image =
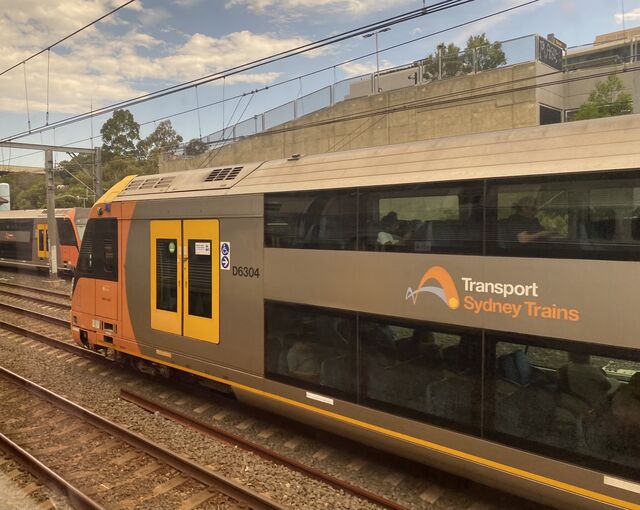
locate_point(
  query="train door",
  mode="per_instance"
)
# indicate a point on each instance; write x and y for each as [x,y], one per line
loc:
[43,241]
[200,270]
[185,278]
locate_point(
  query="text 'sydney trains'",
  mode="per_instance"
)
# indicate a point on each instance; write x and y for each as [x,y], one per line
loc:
[470,302]
[24,238]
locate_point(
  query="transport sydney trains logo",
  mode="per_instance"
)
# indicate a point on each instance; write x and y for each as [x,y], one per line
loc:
[436,280]
[512,299]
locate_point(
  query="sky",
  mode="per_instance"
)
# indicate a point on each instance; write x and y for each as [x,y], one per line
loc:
[153,44]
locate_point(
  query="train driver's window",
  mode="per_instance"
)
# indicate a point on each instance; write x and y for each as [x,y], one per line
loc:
[311,347]
[573,402]
[411,369]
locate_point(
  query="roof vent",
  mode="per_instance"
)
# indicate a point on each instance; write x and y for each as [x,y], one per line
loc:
[155,183]
[223,174]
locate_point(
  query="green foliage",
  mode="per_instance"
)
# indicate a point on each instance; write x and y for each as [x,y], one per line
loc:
[164,138]
[27,190]
[479,54]
[608,99]
[123,154]
[120,135]
[195,147]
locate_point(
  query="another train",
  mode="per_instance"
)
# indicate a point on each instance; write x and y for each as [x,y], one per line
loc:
[24,238]
[469,302]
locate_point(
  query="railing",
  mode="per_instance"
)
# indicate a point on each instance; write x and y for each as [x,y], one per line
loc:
[440,67]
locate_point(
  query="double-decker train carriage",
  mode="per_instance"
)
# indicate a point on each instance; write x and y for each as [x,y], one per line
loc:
[24,237]
[470,302]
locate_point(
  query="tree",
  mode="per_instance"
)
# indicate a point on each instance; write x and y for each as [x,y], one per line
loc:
[164,138]
[480,54]
[120,135]
[608,99]
[195,146]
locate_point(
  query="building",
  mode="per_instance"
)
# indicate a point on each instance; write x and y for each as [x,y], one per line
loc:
[547,85]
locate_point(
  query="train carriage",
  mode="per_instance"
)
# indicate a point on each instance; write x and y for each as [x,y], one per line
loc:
[24,241]
[469,302]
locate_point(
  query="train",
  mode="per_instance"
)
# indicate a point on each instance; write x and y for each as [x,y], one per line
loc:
[468,302]
[24,238]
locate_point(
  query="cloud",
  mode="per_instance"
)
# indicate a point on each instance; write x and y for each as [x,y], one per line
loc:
[353,69]
[297,8]
[98,69]
[633,15]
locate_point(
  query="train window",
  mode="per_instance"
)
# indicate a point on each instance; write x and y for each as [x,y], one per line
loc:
[108,255]
[16,239]
[98,256]
[572,401]
[167,274]
[66,234]
[311,347]
[318,220]
[412,369]
[592,216]
[200,279]
[422,218]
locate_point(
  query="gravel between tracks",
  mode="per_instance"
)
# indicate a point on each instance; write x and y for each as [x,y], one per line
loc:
[97,387]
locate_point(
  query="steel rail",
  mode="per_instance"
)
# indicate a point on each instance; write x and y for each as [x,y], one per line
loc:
[36,299]
[76,498]
[58,344]
[197,472]
[35,315]
[258,449]
[41,291]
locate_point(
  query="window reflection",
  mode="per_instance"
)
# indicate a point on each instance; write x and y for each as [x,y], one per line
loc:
[572,401]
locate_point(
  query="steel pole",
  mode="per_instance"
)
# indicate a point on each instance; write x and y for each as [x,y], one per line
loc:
[377,63]
[52,230]
[97,174]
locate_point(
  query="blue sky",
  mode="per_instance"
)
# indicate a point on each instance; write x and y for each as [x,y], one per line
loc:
[154,44]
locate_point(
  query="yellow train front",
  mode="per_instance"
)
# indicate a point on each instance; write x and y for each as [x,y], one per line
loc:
[387,295]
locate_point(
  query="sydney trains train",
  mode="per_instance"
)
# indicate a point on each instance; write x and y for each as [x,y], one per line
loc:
[469,302]
[24,238]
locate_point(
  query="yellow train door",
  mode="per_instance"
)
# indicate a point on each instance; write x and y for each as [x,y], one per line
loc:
[166,276]
[43,240]
[184,290]
[201,279]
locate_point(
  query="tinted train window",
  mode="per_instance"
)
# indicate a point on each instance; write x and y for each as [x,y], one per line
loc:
[16,239]
[412,369]
[577,403]
[312,347]
[66,234]
[422,218]
[200,283]
[167,274]
[587,216]
[319,220]
[99,250]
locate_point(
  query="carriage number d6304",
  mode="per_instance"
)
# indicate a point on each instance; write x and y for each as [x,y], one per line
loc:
[245,271]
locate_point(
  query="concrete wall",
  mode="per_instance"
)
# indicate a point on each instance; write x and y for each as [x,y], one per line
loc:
[440,112]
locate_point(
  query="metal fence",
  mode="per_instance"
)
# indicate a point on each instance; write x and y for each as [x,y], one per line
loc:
[439,66]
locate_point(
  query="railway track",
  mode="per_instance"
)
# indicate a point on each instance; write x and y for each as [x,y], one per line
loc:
[98,463]
[44,296]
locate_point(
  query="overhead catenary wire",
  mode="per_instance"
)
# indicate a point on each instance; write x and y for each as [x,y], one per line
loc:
[435,102]
[69,36]
[407,16]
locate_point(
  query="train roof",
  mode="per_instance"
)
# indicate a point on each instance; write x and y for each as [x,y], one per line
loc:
[582,146]
[33,213]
